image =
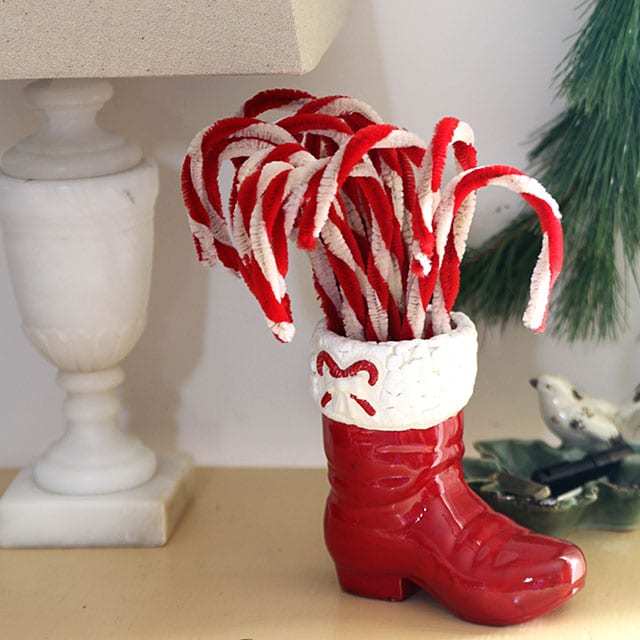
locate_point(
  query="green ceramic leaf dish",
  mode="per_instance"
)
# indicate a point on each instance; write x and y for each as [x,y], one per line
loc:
[602,504]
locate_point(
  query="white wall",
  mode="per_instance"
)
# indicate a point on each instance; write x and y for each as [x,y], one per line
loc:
[207,377]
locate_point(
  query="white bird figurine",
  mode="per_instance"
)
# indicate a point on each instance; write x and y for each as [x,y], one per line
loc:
[581,421]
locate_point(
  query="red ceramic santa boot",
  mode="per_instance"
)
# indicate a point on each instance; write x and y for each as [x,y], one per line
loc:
[400,515]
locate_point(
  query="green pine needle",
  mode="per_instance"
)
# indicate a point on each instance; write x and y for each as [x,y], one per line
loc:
[589,159]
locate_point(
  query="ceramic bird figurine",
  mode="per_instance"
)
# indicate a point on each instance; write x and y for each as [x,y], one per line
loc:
[582,421]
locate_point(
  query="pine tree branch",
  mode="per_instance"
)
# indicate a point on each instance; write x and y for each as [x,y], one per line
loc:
[491,283]
[589,159]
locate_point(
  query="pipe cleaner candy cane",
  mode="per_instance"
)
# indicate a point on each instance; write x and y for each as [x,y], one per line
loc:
[344,246]
[449,132]
[363,199]
[227,139]
[342,250]
[286,99]
[385,224]
[452,230]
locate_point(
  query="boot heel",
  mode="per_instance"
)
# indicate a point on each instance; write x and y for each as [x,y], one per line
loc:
[382,587]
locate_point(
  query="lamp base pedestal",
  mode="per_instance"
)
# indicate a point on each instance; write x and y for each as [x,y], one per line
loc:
[141,517]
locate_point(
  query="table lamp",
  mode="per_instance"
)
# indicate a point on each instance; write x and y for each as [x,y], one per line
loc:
[76,211]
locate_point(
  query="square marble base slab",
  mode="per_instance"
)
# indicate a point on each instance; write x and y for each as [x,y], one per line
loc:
[140,517]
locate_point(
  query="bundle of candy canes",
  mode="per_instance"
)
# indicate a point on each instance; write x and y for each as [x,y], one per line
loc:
[364,200]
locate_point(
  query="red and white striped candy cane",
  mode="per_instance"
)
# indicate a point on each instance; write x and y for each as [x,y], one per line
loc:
[270,99]
[344,161]
[452,230]
[260,221]
[305,125]
[228,139]
[258,224]
[363,198]
[339,251]
[449,132]
[314,120]
[386,227]
[357,114]
[343,107]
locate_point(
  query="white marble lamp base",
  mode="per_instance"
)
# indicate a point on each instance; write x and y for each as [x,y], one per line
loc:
[76,211]
[141,517]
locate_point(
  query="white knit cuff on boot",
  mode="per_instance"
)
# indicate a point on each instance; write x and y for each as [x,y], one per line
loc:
[394,386]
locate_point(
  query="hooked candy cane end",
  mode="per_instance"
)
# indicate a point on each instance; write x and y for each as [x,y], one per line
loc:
[282,331]
[535,316]
[204,240]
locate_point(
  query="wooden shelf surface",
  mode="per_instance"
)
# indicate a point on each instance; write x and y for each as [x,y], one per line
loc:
[248,562]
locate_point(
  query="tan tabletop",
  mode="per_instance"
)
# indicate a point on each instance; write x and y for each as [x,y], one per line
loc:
[248,562]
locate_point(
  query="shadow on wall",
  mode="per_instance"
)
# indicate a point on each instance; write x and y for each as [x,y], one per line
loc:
[172,342]
[153,114]
[163,115]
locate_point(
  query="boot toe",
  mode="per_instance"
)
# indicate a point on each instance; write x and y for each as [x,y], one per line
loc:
[536,575]
[541,562]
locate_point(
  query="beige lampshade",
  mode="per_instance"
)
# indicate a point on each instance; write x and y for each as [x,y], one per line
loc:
[118,38]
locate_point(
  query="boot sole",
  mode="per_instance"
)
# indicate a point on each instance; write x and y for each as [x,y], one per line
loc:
[396,588]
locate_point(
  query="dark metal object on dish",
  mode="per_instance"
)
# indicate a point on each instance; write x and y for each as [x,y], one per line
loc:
[606,502]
